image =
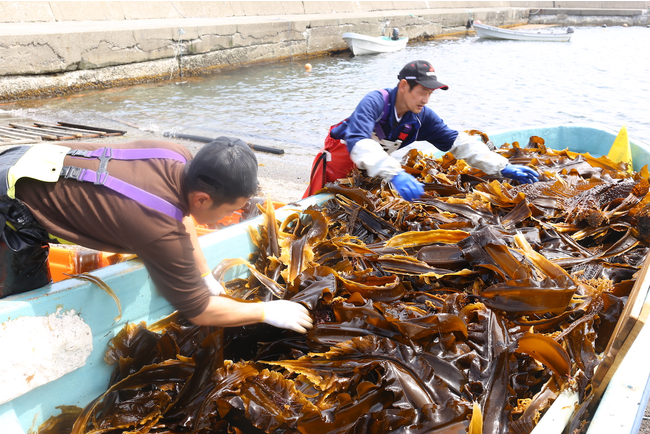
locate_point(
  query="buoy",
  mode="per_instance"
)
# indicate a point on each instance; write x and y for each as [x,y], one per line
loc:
[624,24]
[307,67]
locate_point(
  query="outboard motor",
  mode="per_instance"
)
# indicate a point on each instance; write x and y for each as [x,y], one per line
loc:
[570,30]
[395,35]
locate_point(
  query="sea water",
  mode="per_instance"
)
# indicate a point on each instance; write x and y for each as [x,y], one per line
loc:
[600,78]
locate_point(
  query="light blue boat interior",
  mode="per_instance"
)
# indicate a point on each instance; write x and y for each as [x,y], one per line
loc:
[576,138]
[141,302]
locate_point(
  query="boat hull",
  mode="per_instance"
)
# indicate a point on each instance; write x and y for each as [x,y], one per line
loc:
[362,44]
[489,32]
[141,302]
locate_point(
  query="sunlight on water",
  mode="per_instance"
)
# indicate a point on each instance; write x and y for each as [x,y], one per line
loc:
[601,78]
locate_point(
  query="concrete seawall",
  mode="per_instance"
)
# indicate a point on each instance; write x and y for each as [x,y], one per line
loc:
[55,48]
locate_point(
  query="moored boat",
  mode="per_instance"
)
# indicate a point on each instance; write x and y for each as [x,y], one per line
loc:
[362,44]
[141,302]
[490,32]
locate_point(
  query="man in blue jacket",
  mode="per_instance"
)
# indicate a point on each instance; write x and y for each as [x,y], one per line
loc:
[389,119]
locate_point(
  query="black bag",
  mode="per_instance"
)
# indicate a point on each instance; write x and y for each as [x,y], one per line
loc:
[23,251]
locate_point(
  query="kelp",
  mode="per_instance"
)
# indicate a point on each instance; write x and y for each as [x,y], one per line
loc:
[469,310]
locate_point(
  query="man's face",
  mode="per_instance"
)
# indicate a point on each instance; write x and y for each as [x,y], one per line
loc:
[204,212]
[416,98]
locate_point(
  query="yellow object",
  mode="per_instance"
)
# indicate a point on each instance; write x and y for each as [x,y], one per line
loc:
[61,240]
[620,150]
[42,162]
[476,423]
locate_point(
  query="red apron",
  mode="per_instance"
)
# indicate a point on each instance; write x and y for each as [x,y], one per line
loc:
[331,163]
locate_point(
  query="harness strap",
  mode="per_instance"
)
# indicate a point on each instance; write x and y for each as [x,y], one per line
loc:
[124,188]
[405,132]
[101,176]
[128,154]
[379,131]
[322,159]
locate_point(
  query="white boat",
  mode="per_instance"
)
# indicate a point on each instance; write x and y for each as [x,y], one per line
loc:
[362,44]
[489,32]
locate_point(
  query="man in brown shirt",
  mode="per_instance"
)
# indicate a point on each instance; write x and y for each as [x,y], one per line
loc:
[144,207]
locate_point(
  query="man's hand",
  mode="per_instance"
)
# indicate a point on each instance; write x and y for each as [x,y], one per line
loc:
[214,287]
[407,186]
[287,314]
[523,174]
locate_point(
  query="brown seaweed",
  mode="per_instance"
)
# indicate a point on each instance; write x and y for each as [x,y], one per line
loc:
[469,310]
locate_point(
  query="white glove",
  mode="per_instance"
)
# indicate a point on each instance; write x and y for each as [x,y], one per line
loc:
[477,154]
[371,157]
[287,314]
[214,287]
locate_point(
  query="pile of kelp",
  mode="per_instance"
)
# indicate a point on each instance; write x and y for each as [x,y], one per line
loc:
[469,310]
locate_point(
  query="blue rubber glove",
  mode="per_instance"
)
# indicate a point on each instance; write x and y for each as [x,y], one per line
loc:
[523,174]
[407,186]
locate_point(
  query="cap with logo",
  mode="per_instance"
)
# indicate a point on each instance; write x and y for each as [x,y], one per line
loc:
[423,73]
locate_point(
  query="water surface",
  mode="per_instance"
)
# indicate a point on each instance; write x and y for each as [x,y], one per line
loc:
[601,78]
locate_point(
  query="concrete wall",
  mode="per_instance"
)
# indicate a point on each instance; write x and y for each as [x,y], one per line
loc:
[54,48]
[61,11]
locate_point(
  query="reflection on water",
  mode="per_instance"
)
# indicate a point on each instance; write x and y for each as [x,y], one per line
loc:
[601,77]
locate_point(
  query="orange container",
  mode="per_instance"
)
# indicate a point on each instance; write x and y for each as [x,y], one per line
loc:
[72,259]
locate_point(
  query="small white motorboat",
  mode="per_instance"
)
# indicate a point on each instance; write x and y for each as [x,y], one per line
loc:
[362,44]
[489,32]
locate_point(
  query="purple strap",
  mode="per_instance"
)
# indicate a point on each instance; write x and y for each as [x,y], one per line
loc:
[132,192]
[379,131]
[101,177]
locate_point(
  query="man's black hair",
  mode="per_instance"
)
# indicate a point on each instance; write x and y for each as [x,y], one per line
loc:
[412,84]
[225,169]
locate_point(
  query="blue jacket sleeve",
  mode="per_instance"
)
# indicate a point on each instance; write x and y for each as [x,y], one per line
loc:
[361,123]
[435,131]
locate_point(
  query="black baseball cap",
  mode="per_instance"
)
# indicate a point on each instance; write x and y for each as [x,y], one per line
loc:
[423,73]
[227,164]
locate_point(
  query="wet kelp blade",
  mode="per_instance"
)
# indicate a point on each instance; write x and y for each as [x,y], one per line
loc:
[472,309]
[99,282]
[410,239]
[220,270]
[547,351]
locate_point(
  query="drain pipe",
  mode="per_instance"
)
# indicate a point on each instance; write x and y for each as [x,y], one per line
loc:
[194,138]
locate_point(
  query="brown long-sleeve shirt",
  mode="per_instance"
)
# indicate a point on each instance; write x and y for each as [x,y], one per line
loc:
[99,218]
